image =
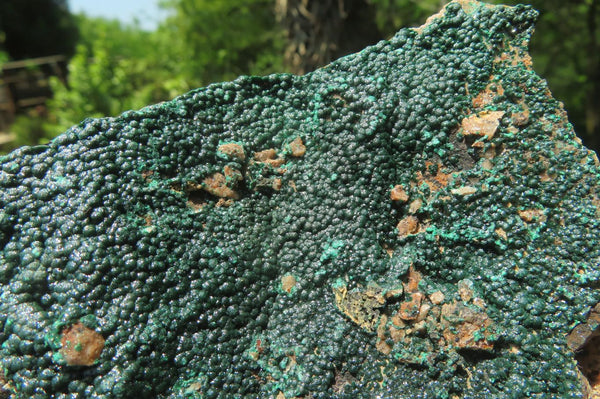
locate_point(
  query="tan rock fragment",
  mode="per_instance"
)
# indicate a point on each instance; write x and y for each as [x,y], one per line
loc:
[501,233]
[262,156]
[409,310]
[414,278]
[578,336]
[464,190]
[360,305]
[423,312]
[398,194]
[216,184]
[222,202]
[465,327]
[584,341]
[482,124]
[465,290]
[486,97]
[80,345]
[532,215]
[415,205]
[277,162]
[232,150]
[288,282]
[269,157]
[297,147]
[397,334]
[408,225]
[437,298]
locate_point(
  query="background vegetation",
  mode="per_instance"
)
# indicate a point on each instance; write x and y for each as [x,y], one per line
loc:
[115,67]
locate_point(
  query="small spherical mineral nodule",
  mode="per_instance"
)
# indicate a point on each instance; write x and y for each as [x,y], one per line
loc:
[80,345]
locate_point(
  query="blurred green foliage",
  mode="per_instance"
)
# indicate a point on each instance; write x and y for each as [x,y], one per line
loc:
[215,40]
[3,57]
[117,67]
[391,15]
[114,68]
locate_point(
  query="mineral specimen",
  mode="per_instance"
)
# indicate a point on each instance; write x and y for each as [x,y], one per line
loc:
[417,220]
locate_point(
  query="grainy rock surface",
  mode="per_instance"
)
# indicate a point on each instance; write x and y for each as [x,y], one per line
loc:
[417,220]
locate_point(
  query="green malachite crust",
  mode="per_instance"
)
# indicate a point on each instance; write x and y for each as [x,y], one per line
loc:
[417,220]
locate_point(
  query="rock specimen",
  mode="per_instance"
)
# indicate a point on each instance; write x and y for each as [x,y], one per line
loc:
[417,220]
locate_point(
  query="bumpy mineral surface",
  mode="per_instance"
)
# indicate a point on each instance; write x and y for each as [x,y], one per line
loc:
[417,220]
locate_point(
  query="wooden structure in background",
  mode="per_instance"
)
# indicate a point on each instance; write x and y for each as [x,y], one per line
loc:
[25,84]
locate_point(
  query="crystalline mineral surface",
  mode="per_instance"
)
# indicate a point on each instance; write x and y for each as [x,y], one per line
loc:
[417,220]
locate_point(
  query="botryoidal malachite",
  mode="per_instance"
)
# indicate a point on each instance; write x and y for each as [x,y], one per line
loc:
[417,220]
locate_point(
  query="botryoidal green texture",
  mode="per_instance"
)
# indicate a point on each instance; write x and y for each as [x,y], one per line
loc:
[417,220]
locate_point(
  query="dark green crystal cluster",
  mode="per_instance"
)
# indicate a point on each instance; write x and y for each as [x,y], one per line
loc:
[417,220]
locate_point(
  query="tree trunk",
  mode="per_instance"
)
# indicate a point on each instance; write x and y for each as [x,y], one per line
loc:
[320,31]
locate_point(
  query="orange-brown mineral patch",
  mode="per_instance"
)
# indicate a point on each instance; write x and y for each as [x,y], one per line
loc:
[262,156]
[483,124]
[515,55]
[437,180]
[222,202]
[428,321]
[465,326]
[486,97]
[232,150]
[80,345]
[434,322]
[297,147]
[398,194]
[269,157]
[501,233]
[360,305]
[216,184]
[532,215]
[408,225]
[414,278]
[410,309]
[220,184]
[288,282]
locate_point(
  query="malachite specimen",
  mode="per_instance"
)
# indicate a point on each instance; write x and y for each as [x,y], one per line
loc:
[417,220]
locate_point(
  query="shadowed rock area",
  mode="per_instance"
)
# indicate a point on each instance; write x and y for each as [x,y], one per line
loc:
[417,220]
